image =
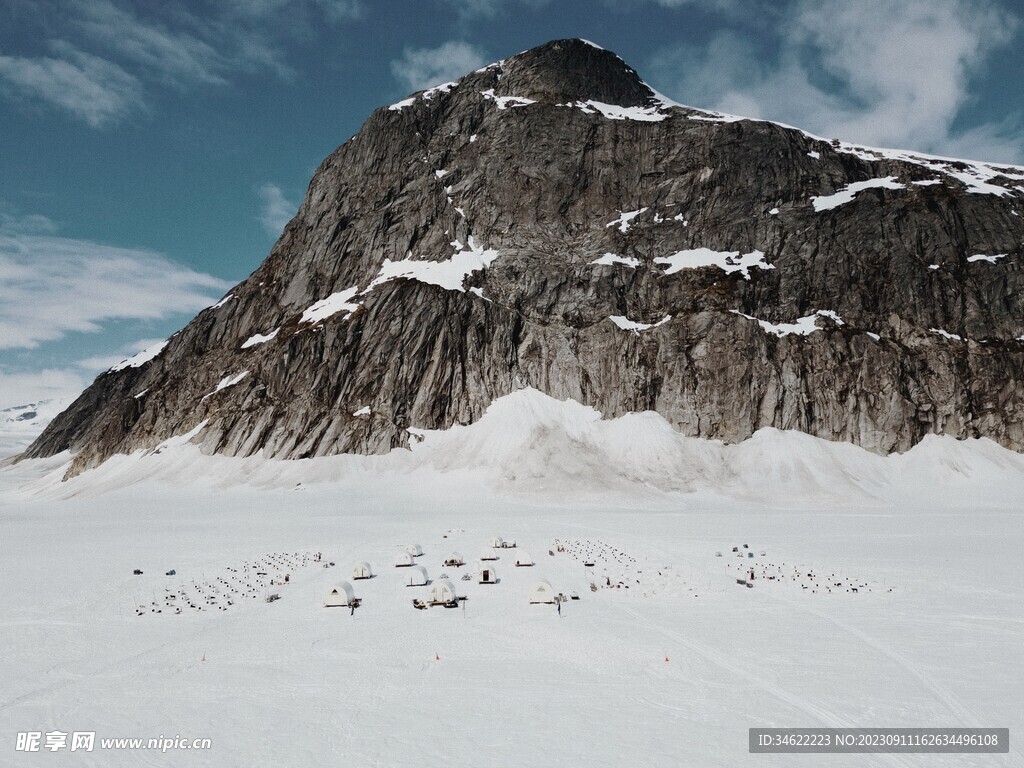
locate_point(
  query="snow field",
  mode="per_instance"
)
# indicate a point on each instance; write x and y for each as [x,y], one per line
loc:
[503,681]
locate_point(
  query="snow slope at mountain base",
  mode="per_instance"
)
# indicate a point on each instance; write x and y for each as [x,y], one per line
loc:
[503,682]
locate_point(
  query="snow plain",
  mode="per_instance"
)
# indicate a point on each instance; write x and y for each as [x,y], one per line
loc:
[672,671]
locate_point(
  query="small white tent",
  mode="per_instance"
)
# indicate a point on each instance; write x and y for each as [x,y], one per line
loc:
[523,558]
[340,595]
[417,576]
[496,542]
[487,574]
[362,571]
[414,549]
[403,560]
[488,554]
[542,592]
[454,559]
[441,592]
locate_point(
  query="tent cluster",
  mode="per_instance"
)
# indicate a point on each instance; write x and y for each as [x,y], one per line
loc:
[230,588]
[442,591]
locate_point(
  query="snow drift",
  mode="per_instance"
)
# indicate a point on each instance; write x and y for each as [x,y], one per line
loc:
[530,444]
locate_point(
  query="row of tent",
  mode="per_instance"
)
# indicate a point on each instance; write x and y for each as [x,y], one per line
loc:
[405,559]
[441,592]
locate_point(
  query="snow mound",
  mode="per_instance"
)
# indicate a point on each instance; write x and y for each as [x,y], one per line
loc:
[530,445]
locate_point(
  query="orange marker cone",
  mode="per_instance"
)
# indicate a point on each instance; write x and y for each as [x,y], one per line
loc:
[666,659]
[436,657]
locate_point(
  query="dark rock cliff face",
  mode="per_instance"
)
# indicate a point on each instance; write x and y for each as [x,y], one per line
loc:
[549,221]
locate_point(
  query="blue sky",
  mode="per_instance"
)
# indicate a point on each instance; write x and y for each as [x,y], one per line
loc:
[151,152]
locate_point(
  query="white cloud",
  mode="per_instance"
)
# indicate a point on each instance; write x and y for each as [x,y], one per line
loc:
[183,51]
[875,72]
[276,211]
[90,88]
[424,67]
[51,286]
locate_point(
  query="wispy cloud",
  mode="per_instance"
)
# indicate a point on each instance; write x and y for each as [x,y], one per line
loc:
[103,59]
[876,72]
[275,210]
[51,286]
[423,67]
[90,88]
[477,9]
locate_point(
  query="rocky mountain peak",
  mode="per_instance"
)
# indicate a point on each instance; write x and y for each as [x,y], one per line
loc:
[570,71]
[549,222]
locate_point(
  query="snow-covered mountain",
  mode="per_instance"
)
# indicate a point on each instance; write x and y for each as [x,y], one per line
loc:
[549,221]
[21,424]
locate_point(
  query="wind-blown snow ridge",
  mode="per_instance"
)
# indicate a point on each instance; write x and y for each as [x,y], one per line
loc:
[728,261]
[975,175]
[140,358]
[847,193]
[616,112]
[802,327]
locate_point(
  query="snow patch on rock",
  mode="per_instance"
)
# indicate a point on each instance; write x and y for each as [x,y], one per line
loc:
[625,217]
[632,325]
[611,259]
[259,338]
[332,305]
[140,358]
[728,261]
[803,326]
[849,192]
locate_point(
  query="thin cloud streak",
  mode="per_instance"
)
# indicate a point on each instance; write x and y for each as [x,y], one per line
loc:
[90,88]
[51,286]
[276,211]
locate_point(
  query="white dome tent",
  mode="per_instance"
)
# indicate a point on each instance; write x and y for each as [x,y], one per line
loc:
[362,571]
[340,596]
[414,549]
[417,577]
[488,554]
[523,559]
[542,592]
[454,559]
[496,542]
[486,574]
[441,592]
[403,560]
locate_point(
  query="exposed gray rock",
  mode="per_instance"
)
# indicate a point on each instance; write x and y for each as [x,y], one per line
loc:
[513,161]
